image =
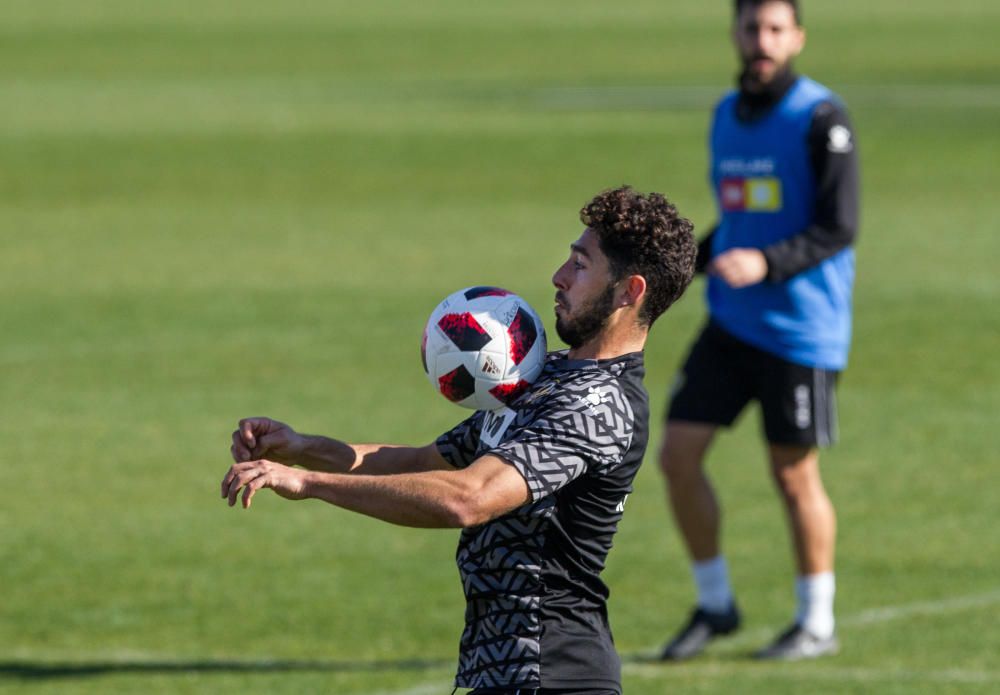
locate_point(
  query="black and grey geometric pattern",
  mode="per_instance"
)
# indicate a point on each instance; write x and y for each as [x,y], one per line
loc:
[587,425]
[573,438]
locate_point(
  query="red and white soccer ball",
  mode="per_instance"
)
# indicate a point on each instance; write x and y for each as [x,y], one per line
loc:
[483,347]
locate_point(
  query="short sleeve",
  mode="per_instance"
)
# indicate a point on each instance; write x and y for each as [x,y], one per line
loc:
[458,446]
[579,432]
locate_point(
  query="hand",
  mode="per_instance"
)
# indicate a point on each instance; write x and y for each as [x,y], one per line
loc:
[254,475]
[739,267]
[257,437]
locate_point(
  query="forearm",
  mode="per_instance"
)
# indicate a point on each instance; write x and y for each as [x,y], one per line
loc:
[318,453]
[434,499]
[448,498]
[791,256]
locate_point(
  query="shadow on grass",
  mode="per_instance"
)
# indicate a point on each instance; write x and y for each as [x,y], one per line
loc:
[651,659]
[45,670]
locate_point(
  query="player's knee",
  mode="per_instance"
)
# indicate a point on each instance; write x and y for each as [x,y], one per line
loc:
[788,484]
[677,462]
[796,481]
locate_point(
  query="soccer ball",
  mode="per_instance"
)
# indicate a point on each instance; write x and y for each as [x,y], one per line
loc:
[483,347]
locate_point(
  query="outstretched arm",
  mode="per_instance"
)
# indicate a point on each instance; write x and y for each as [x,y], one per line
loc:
[260,437]
[488,488]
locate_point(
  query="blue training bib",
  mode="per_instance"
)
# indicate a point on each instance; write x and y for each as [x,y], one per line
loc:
[765,190]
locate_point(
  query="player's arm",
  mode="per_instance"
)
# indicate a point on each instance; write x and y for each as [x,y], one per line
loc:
[263,438]
[486,489]
[704,252]
[835,220]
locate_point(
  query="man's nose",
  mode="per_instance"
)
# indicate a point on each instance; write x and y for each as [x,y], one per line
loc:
[559,278]
[762,41]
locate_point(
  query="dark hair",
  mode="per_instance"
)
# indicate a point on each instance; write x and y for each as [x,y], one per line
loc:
[738,6]
[644,235]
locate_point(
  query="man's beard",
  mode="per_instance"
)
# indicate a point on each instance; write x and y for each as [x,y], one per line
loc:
[755,81]
[590,320]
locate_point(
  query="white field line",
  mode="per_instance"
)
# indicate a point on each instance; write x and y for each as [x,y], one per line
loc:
[787,672]
[872,616]
[951,605]
[426,689]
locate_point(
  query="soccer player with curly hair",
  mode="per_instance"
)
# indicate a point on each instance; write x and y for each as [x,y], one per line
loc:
[538,487]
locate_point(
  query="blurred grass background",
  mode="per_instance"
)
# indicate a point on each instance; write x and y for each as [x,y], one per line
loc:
[211,209]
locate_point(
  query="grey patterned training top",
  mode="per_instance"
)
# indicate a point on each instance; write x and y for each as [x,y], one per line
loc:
[536,613]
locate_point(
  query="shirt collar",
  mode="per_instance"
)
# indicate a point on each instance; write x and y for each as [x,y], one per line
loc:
[559,362]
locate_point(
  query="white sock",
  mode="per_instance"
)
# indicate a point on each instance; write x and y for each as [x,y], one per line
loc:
[815,598]
[712,580]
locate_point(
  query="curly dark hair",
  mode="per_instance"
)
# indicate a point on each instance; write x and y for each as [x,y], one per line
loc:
[644,235]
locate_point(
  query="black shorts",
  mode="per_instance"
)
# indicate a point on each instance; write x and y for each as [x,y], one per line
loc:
[722,374]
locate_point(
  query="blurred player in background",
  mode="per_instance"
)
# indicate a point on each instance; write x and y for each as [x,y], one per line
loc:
[780,267]
[539,487]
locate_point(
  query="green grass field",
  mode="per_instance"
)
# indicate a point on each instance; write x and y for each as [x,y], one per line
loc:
[214,209]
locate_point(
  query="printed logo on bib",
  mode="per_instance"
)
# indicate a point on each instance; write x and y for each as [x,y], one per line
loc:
[750,194]
[495,426]
[839,140]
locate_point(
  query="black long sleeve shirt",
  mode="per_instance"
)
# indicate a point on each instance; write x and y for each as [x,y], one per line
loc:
[834,160]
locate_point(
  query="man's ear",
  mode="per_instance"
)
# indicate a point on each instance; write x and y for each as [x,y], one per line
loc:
[801,40]
[633,290]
